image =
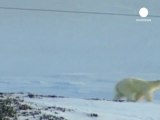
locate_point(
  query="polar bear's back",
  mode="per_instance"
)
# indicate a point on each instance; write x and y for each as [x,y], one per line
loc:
[131,85]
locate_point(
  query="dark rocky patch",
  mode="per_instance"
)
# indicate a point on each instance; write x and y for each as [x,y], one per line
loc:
[51,117]
[53,108]
[25,107]
[13,107]
[7,110]
[119,100]
[92,115]
[30,95]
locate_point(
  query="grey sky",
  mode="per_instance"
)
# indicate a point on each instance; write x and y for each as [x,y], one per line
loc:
[45,43]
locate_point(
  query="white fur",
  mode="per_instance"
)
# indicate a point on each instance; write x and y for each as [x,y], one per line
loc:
[134,89]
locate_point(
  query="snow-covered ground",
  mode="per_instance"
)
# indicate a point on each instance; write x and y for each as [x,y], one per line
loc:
[106,110]
[78,91]
[38,107]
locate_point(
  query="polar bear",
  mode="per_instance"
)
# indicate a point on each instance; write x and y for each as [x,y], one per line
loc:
[134,89]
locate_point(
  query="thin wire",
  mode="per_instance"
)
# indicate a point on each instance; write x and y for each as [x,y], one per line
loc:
[73,12]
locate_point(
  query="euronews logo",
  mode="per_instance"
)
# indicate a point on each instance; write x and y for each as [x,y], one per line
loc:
[143,12]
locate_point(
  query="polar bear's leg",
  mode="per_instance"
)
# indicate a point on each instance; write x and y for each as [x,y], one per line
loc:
[148,97]
[117,97]
[131,97]
[138,96]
